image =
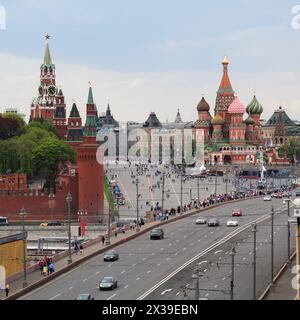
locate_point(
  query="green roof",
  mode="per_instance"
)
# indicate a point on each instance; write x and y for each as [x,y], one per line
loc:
[47,58]
[90,98]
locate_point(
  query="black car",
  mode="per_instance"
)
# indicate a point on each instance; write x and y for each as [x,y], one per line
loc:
[213,222]
[108,283]
[4,221]
[157,233]
[111,255]
[55,224]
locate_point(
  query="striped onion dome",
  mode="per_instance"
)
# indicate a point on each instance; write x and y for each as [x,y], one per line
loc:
[254,107]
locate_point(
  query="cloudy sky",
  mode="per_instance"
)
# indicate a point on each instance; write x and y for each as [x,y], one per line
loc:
[157,55]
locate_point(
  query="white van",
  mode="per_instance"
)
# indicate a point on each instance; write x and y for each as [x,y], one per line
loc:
[4,221]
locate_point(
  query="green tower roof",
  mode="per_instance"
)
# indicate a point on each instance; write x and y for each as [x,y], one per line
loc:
[90,98]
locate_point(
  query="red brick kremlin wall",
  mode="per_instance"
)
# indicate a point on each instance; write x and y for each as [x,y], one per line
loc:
[37,204]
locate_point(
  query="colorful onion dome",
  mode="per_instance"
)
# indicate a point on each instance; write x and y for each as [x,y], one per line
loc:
[217,120]
[250,120]
[237,107]
[203,105]
[254,107]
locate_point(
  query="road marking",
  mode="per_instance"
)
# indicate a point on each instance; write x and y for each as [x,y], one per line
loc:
[177,240]
[158,264]
[84,280]
[123,271]
[97,272]
[176,253]
[226,252]
[178,293]
[266,240]
[183,249]
[250,253]
[212,232]
[111,296]
[224,278]
[134,265]
[109,266]
[170,244]
[168,258]
[205,236]
[219,251]
[153,254]
[148,245]
[137,279]
[165,291]
[188,285]
[205,270]
[216,286]
[244,258]
[185,237]
[126,287]
[207,295]
[70,288]
[249,236]
[143,259]
[162,248]
[148,271]
[55,296]
[192,244]
[207,250]
[220,258]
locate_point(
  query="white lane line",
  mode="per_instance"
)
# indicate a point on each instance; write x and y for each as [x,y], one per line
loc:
[199,240]
[205,236]
[165,291]
[192,244]
[188,285]
[207,295]
[177,240]
[84,280]
[205,270]
[244,258]
[220,258]
[111,296]
[212,232]
[70,288]
[250,253]
[148,271]
[216,286]
[178,293]
[134,265]
[183,249]
[224,278]
[266,240]
[97,272]
[123,271]
[137,279]
[55,296]
[168,258]
[170,244]
[162,248]
[158,264]
[126,286]
[143,259]
[219,251]
[176,253]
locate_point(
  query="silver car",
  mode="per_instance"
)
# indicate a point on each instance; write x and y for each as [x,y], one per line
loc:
[232,223]
[201,220]
[108,283]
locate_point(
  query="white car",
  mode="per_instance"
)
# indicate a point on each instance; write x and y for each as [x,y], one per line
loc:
[232,223]
[267,198]
[201,220]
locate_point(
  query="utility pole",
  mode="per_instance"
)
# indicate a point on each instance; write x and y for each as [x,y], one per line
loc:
[298,257]
[232,253]
[254,230]
[137,206]
[163,193]
[198,191]
[181,206]
[69,200]
[107,240]
[272,246]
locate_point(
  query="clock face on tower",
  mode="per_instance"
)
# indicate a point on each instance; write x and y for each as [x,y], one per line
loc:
[52,90]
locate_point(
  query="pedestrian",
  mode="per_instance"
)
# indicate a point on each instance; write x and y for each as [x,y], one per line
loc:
[116,233]
[41,265]
[7,290]
[76,247]
[103,240]
[81,249]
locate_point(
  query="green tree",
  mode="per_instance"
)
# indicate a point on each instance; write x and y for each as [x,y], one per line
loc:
[42,124]
[48,155]
[291,150]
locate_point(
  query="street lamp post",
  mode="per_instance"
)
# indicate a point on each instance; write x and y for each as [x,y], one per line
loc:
[22,216]
[69,199]
[51,203]
[137,206]
[232,254]
[107,240]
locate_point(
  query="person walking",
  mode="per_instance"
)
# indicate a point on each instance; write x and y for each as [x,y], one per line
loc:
[103,240]
[76,247]
[81,249]
[6,290]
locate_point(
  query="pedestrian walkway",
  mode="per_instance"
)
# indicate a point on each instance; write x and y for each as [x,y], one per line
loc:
[283,289]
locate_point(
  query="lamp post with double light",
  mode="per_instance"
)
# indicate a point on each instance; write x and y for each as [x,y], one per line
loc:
[69,200]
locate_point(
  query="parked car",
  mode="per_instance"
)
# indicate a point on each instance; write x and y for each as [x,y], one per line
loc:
[111,255]
[237,213]
[232,222]
[157,233]
[4,221]
[85,296]
[201,220]
[213,222]
[267,198]
[54,223]
[44,224]
[108,283]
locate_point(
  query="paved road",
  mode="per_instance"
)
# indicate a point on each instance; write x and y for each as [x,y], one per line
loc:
[144,263]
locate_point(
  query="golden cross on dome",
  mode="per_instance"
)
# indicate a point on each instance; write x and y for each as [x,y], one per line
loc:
[90,83]
[47,36]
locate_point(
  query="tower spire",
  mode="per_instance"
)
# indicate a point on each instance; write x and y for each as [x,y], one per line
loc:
[47,57]
[225,86]
[90,97]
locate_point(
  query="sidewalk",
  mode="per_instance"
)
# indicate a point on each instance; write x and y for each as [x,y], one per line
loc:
[283,289]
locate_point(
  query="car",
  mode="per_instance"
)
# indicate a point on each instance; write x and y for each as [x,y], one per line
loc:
[85,296]
[44,224]
[297,194]
[157,233]
[237,213]
[111,255]
[201,220]
[232,222]
[121,202]
[213,222]
[4,221]
[54,224]
[108,283]
[267,198]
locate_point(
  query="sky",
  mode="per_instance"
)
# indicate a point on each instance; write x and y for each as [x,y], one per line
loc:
[159,55]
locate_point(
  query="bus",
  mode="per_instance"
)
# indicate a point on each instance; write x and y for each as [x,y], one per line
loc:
[4,221]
